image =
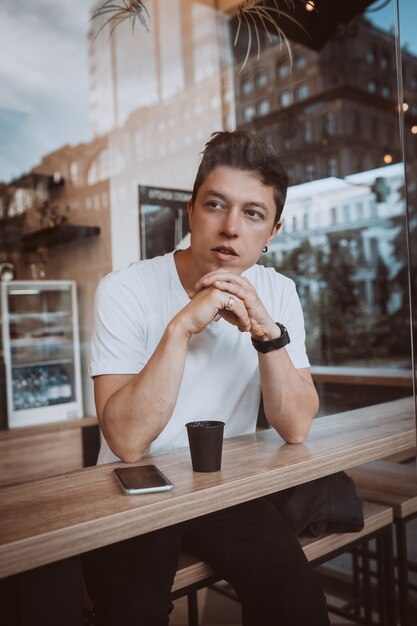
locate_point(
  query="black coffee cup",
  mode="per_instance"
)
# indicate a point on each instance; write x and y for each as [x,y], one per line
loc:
[206,443]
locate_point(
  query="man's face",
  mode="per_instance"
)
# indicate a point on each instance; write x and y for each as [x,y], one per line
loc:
[231,221]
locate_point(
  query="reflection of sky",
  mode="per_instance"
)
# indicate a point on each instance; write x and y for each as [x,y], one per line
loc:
[44,75]
[44,79]
[384,18]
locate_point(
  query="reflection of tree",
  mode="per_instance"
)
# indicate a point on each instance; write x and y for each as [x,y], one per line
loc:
[338,300]
[340,325]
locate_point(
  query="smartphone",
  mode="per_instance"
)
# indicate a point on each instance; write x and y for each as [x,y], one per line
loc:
[141,479]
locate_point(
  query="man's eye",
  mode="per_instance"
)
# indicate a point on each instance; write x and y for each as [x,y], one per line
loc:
[254,214]
[214,204]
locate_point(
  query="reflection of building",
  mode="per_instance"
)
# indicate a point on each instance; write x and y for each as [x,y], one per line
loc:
[159,96]
[146,69]
[333,112]
[359,211]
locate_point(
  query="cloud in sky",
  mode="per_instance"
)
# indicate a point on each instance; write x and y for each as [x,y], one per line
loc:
[44,78]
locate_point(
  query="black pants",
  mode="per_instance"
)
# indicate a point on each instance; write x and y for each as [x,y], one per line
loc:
[250,545]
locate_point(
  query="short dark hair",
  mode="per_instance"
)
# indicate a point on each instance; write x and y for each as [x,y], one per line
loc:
[245,151]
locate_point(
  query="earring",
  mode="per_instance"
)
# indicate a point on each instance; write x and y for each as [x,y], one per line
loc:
[265,250]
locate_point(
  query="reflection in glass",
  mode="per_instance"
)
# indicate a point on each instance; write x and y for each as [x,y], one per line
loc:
[332,112]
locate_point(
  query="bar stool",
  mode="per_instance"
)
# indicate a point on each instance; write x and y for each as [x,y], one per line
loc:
[193,574]
[395,485]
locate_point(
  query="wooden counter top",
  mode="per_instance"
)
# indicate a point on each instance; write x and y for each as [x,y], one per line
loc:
[53,518]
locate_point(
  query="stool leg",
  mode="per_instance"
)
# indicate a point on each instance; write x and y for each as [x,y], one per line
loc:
[381,579]
[192,609]
[387,563]
[356,582]
[367,597]
[402,565]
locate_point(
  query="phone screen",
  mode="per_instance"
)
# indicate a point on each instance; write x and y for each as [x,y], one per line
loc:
[142,479]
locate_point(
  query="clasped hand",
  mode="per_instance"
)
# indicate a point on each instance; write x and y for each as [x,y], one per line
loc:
[211,296]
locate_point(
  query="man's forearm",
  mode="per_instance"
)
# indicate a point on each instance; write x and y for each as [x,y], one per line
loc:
[136,414]
[289,397]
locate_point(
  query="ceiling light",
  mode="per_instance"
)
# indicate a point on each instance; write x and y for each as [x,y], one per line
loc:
[310,5]
[387,159]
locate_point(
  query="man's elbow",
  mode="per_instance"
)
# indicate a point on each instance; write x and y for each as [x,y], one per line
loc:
[127,454]
[299,434]
[294,439]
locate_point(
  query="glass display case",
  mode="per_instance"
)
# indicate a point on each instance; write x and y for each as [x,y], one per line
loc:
[41,351]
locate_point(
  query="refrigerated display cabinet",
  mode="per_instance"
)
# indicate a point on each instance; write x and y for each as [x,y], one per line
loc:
[41,351]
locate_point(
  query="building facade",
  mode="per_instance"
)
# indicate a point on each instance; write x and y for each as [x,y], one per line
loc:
[332,112]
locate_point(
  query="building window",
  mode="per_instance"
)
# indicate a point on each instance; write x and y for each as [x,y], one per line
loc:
[294,223]
[373,250]
[305,221]
[247,86]
[332,166]
[283,70]
[370,56]
[373,212]
[300,62]
[308,134]
[385,91]
[372,86]
[261,78]
[249,113]
[74,175]
[359,211]
[330,123]
[301,92]
[285,98]
[99,168]
[333,215]
[346,213]
[385,61]
[263,107]
[309,171]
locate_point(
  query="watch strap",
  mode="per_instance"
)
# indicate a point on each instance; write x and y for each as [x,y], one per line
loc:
[272,344]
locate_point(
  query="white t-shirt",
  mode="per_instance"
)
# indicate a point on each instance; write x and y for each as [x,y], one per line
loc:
[221,379]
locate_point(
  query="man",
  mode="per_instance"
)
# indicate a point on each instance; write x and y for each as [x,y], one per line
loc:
[199,334]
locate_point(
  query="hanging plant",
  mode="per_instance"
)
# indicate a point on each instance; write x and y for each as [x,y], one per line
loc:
[118,13]
[254,13]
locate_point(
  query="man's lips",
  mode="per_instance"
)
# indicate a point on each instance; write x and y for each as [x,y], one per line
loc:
[225,250]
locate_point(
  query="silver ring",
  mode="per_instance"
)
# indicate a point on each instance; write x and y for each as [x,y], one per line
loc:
[230,303]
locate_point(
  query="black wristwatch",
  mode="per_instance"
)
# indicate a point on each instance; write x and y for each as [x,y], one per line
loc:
[272,344]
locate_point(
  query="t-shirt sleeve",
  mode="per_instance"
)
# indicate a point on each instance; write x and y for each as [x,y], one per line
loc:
[293,319]
[118,341]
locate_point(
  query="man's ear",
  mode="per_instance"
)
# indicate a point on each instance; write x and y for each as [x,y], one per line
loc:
[275,230]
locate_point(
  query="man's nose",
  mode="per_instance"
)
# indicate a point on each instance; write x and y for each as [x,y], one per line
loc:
[230,225]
